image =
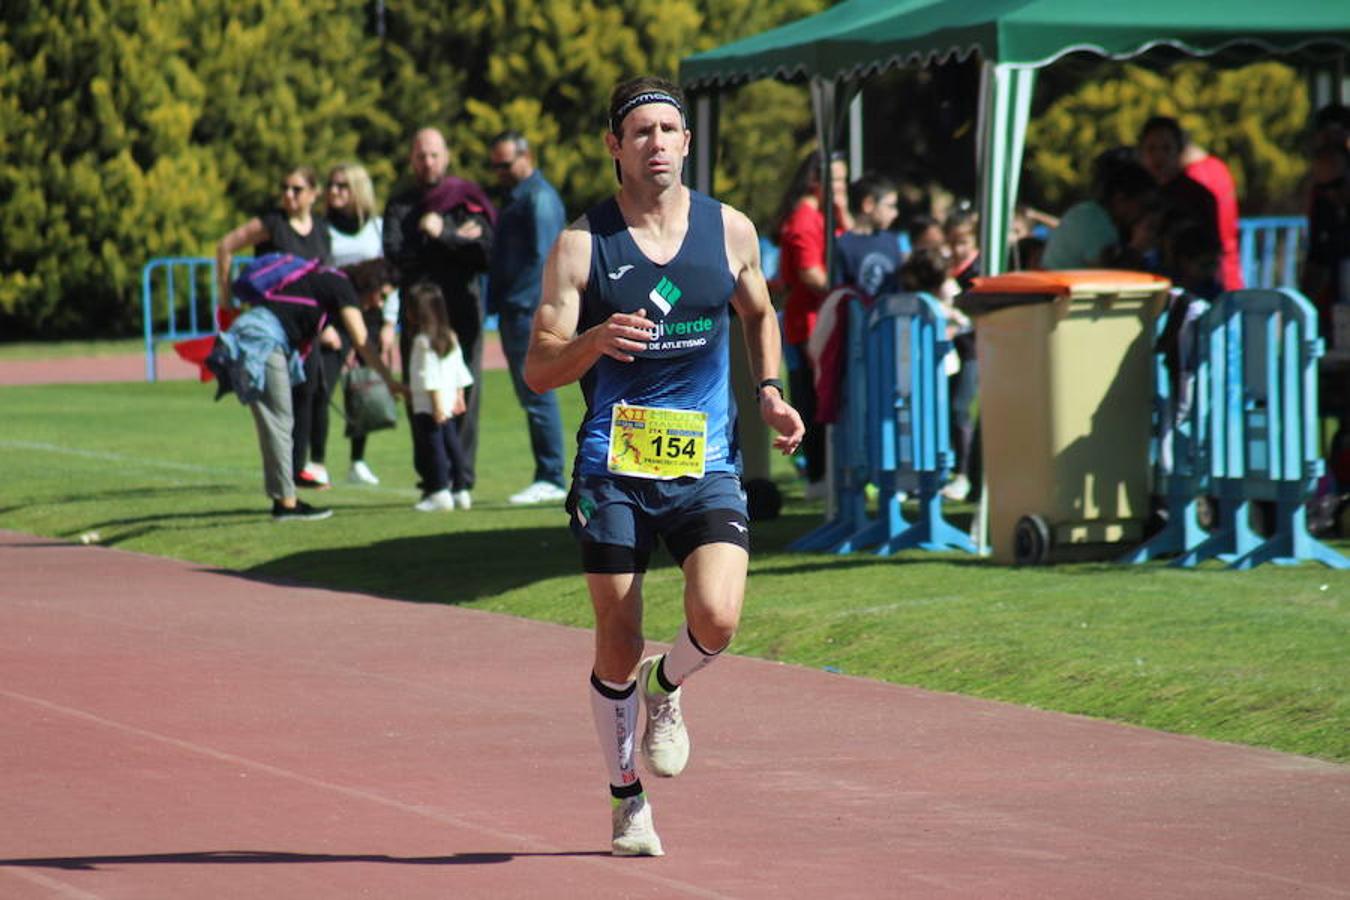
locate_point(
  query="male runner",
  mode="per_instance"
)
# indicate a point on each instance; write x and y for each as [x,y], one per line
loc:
[634,305]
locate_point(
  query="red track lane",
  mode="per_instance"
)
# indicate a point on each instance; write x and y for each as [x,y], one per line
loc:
[172,732]
[131,367]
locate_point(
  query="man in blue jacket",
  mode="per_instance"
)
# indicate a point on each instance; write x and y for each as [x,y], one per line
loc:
[531,221]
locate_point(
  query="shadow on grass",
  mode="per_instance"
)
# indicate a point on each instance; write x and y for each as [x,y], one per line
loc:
[272,857]
[465,566]
[457,567]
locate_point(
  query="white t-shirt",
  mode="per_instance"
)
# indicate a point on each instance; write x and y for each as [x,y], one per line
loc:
[368,243]
[430,372]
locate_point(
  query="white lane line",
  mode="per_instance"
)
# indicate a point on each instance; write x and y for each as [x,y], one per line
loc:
[533,844]
[59,887]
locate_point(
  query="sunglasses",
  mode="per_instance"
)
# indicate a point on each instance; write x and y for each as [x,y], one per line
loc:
[294,188]
[338,186]
[502,166]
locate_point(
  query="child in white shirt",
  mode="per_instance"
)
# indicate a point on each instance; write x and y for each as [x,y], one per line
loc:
[438,379]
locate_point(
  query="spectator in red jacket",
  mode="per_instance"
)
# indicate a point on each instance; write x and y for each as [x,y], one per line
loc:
[1213,175]
[804,269]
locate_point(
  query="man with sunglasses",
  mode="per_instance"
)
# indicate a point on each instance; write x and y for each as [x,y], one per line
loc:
[531,219]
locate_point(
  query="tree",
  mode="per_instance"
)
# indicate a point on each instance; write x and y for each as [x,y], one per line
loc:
[1253,118]
[133,130]
[545,68]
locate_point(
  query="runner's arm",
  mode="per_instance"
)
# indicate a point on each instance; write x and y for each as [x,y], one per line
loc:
[558,355]
[759,321]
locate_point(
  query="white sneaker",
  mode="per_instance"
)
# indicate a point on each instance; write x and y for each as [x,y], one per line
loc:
[665,740]
[957,489]
[815,490]
[317,472]
[539,492]
[360,474]
[463,500]
[634,834]
[437,502]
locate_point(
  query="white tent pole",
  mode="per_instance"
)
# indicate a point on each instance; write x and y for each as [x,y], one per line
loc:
[704,132]
[822,105]
[855,137]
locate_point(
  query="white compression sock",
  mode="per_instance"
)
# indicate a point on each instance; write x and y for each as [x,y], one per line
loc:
[615,709]
[684,659]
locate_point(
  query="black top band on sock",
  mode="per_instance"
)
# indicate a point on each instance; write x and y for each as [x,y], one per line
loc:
[627,790]
[697,646]
[661,678]
[607,691]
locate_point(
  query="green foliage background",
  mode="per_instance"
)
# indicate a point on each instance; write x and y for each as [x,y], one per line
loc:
[1253,118]
[131,130]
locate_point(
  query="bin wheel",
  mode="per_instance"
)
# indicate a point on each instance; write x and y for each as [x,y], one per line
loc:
[1031,541]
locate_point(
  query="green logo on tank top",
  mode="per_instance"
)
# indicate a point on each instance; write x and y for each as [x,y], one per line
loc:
[665,295]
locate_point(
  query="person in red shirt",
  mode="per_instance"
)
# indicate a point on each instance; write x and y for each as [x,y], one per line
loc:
[804,271]
[1213,175]
[1182,198]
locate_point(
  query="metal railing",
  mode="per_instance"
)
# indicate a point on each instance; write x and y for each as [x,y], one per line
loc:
[180,293]
[1271,248]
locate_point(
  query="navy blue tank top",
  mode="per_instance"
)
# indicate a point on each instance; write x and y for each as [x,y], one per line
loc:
[687,366]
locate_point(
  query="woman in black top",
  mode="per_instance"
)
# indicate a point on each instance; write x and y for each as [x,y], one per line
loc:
[294,228]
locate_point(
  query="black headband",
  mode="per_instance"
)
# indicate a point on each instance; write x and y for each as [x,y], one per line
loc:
[616,120]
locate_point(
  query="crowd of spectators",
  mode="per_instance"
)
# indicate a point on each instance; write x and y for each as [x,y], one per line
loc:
[1164,204]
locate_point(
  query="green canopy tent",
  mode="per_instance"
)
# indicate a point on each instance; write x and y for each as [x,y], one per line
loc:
[838,48]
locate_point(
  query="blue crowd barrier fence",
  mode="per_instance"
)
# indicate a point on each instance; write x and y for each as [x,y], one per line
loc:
[1250,437]
[892,431]
[1271,248]
[179,301]
[179,294]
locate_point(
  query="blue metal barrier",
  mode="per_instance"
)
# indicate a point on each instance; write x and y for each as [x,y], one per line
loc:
[1271,247]
[184,316]
[1262,428]
[1179,447]
[893,431]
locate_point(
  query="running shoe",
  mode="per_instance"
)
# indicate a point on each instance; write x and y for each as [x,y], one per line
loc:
[634,834]
[463,499]
[957,489]
[360,474]
[815,490]
[307,479]
[539,492]
[665,741]
[300,512]
[438,501]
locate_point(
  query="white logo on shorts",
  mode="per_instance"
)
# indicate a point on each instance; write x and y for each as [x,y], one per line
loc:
[739,527]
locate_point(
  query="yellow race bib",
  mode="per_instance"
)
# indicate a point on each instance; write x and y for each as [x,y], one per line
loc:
[653,442]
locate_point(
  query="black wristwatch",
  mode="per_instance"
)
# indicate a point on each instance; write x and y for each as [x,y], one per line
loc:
[769,383]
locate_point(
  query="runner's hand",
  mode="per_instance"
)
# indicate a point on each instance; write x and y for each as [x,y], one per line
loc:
[779,415]
[623,334]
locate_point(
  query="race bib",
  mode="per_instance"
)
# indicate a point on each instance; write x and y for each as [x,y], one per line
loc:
[653,442]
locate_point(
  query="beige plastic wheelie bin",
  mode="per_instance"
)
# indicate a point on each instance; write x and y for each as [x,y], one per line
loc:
[1066,400]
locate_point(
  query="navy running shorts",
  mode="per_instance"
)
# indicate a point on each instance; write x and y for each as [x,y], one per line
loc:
[617,519]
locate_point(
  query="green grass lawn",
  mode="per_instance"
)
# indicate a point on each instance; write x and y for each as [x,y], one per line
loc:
[1257,657]
[69,349]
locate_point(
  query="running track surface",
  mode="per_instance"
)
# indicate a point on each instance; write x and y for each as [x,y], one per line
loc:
[131,367]
[173,732]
